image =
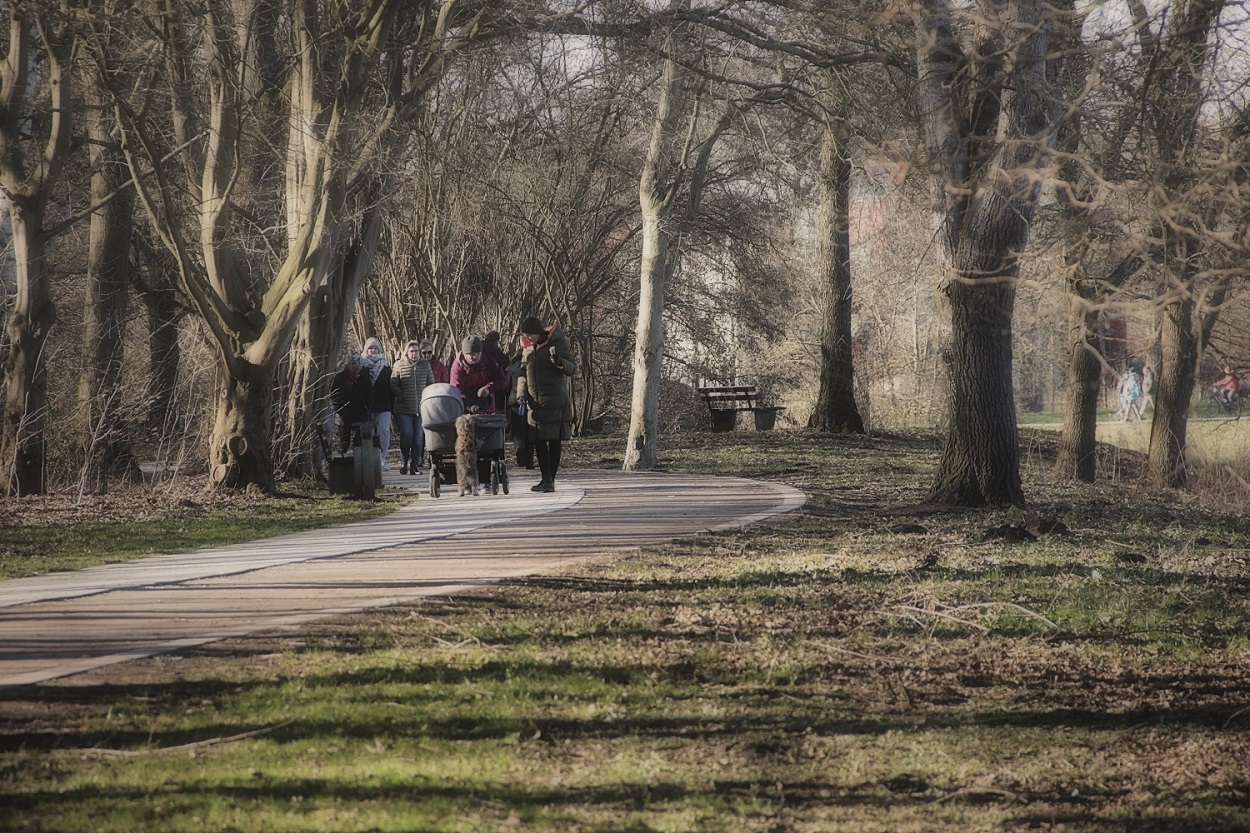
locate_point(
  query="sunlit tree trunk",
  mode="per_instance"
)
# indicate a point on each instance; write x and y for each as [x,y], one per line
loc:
[30,165]
[676,165]
[657,189]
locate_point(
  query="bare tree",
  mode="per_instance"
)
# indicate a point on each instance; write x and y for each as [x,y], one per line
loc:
[1184,179]
[835,408]
[251,263]
[36,110]
[676,165]
[989,112]
[107,294]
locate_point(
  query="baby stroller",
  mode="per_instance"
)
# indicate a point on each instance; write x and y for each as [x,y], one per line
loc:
[440,406]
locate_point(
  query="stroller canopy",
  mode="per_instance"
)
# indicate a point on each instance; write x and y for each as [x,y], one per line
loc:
[441,404]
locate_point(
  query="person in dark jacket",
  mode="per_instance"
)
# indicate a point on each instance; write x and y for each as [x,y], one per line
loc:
[490,345]
[549,365]
[477,376]
[383,400]
[522,433]
[351,392]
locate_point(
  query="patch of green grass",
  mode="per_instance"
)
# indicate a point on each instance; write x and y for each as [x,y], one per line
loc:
[81,541]
[869,663]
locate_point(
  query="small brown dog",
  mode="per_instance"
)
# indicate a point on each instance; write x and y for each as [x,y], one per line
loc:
[467,446]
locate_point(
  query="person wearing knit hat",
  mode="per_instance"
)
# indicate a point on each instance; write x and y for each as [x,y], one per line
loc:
[383,400]
[532,326]
[549,365]
[478,376]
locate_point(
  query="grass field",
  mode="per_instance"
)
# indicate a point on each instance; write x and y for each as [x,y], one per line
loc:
[47,533]
[870,663]
[1210,439]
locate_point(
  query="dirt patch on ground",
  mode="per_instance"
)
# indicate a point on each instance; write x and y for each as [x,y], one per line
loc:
[125,503]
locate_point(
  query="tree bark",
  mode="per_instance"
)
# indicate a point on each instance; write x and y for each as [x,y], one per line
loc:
[980,462]
[1165,464]
[989,115]
[27,178]
[657,188]
[239,452]
[317,344]
[104,440]
[22,447]
[835,409]
[1174,98]
[641,452]
[1078,457]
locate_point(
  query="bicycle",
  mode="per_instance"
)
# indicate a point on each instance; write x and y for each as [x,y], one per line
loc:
[1215,405]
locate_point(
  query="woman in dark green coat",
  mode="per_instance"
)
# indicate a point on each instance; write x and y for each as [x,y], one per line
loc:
[549,365]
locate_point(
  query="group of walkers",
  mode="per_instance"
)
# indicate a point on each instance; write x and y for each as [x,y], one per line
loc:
[531,386]
[1136,394]
[1137,391]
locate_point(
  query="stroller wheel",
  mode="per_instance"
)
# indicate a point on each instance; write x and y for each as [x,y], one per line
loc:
[503,477]
[433,481]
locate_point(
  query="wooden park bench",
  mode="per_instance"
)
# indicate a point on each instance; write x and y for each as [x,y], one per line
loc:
[725,401]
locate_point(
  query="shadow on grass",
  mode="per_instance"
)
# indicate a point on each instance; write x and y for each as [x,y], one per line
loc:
[295,797]
[414,701]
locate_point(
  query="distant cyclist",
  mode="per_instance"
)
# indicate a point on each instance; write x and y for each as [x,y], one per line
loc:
[1228,387]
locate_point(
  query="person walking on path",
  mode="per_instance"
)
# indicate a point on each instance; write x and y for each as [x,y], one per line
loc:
[522,433]
[549,365]
[1130,393]
[351,391]
[1147,399]
[477,376]
[383,400]
[408,380]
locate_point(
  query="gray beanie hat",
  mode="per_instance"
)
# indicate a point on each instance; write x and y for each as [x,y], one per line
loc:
[471,344]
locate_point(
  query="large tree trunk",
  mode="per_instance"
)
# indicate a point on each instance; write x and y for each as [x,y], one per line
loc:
[835,403]
[240,445]
[644,414]
[1165,465]
[989,112]
[980,462]
[317,344]
[104,441]
[657,188]
[1078,457]
[22,448]
[34,78]
[1174,99]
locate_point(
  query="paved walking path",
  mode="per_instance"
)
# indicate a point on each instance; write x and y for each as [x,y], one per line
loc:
[61,624]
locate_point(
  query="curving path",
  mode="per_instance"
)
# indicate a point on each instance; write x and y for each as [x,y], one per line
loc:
[66,623]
